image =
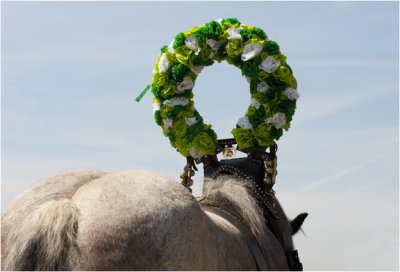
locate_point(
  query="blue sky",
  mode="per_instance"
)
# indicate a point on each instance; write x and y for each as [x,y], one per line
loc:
[71,71]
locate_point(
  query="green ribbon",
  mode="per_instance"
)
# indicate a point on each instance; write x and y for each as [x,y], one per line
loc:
[142,93]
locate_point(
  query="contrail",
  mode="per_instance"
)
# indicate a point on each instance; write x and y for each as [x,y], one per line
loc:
[340,174]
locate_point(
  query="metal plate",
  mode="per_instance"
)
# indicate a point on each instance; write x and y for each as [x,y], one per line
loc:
[229,152]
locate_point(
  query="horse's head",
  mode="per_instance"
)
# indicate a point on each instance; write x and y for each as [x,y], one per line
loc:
[258,171]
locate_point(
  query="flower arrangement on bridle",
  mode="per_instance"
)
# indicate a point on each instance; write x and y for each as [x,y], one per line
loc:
[273,88]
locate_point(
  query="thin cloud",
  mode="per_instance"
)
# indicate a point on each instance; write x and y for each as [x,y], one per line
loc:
[88,55]
[343,62]
[317,107]
[340,174]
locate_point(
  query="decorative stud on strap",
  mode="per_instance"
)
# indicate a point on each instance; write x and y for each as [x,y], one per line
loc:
[270,167]
[188,173]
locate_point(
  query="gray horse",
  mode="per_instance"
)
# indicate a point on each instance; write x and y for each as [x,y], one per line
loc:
[137,220]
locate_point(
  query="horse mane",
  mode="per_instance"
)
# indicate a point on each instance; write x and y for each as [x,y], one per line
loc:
[233,196]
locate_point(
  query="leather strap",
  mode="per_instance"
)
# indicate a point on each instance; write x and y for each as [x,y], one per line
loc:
[248,237]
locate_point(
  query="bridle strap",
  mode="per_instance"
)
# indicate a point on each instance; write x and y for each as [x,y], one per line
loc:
[251,242]
[292,256]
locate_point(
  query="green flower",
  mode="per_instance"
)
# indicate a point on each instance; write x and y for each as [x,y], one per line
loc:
[204,144]
[276,133]
[204,57]
[235,60]
[182,147]
[256,116]
[157,117]
[248,28]
[234,47]
[243,137]
[246,34]
[221,54]
[192,31]
[165,131]
[164,48]
[260,33]
[179,40]
[211,30]
[271,47]
[257,96]
[251,111]
[256,40]
[281,58]
[262,135]
[169,90]
[230,22]
[179,128]
[156,90]
[159,80]
[284,74]
[171,57]
[194,130]
[176,73]
[183,55]
[286,106]
[186,113]
[162,86]
[250,68]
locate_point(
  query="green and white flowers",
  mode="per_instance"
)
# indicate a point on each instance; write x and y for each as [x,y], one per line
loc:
[272,86]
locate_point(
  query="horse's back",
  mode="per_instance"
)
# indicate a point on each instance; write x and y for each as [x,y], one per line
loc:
[134,220]
[130,220]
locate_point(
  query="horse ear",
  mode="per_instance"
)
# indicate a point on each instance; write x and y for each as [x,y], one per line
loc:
[297,222]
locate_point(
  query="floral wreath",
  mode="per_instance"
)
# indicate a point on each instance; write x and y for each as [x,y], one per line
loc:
[272,86]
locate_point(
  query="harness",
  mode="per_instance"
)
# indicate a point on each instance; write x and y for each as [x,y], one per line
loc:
[251,242]
[259,168]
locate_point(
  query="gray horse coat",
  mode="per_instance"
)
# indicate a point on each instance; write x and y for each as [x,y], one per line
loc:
[133,220]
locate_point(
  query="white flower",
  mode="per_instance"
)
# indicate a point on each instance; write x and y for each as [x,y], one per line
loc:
[255,103]
[279,120]
[251,50]
[214,45]
[156,107]
[190,121]
[167,123]
[291,93]
[191,42]
[163,64]
[262,87]
[196,69]
[186,84]
[269,64]
[194,153]
[244,122]
[177,101]
[234,33]
[170,48]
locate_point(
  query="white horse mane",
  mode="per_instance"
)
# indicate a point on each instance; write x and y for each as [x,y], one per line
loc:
[233,195]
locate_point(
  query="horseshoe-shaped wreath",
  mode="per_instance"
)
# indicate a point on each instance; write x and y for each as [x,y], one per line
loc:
[272,86]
